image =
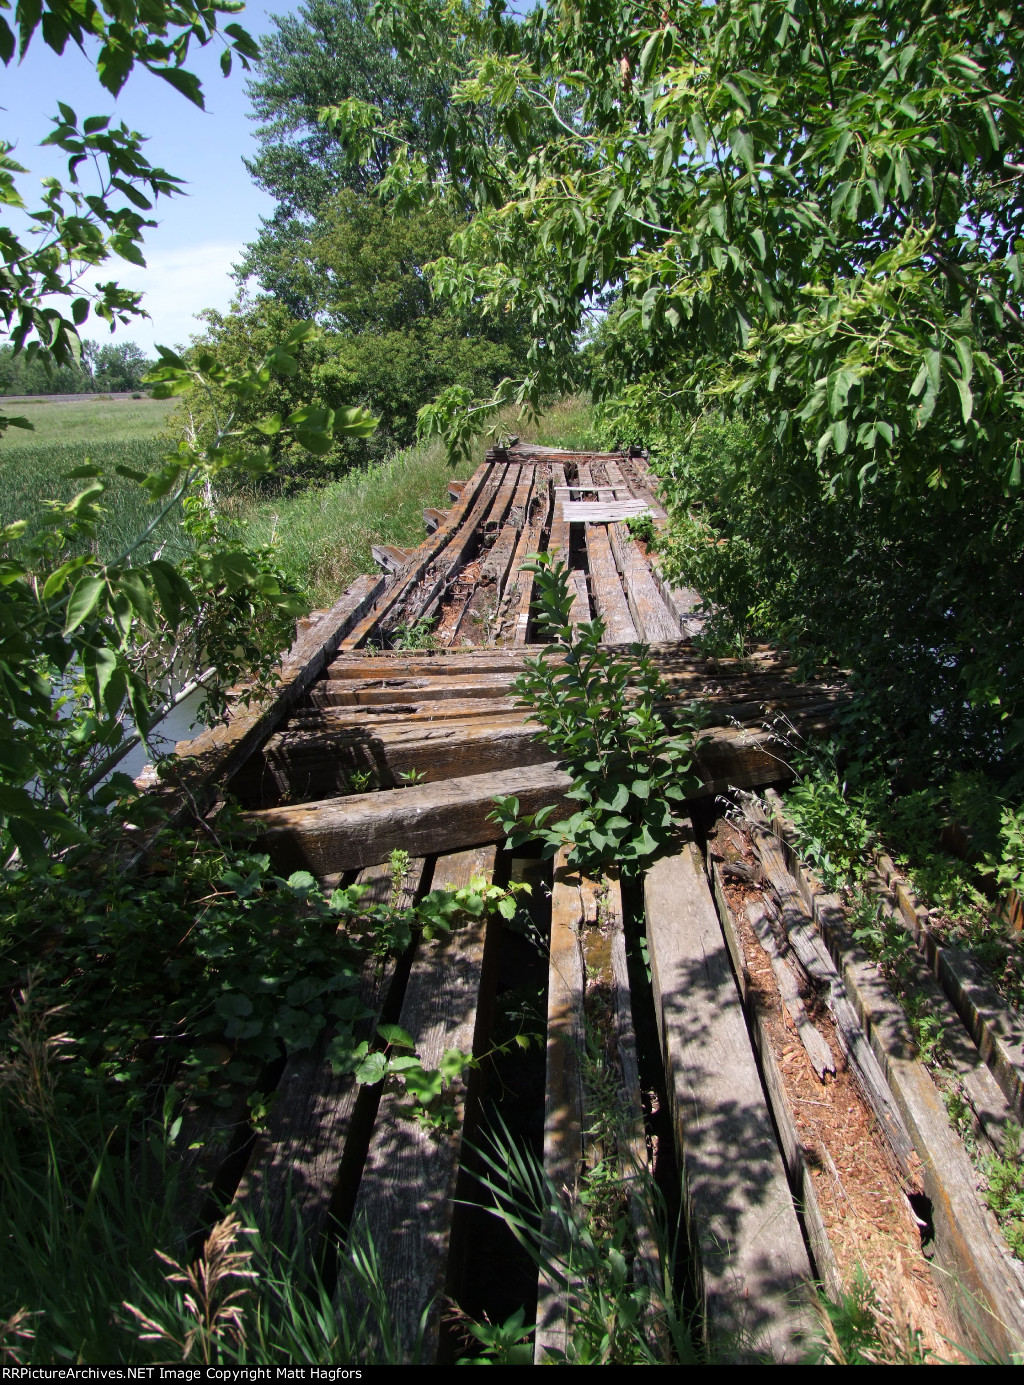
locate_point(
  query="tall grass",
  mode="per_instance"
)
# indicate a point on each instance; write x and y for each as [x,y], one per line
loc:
[323,535]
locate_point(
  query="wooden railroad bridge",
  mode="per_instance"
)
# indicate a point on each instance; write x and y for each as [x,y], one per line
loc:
[323,769]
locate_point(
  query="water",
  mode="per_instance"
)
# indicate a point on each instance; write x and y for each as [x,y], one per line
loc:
[179,725]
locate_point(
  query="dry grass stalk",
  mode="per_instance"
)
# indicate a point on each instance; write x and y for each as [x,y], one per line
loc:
[14,1334]
[28,1071]
[213,1311]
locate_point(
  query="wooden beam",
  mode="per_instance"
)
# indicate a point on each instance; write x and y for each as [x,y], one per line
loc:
[650,614]
[564,1110]
[366,693]
[442,548]
[984,1285]
[607,589]
[212,757]
[753,1264]
[406,1195]
[348,833]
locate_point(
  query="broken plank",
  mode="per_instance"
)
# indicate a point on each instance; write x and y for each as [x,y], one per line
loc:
[520,593]
[203,763]
[297,1161]
[558,539]
[983,1285]
[308,766]
[753,1263]
[441,550]
[813,956]
[406,1195]
[817,1050]
[607,589]
[361,830]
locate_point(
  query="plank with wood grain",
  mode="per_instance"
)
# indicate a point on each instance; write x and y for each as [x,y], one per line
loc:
[348,833]
[297,1161]
[563,1090]
[481,616]
[519,592]
[651,616]
[790,1143]
[406,1194]
[753,1263]
[983,1284]
[441,548]
[607,591]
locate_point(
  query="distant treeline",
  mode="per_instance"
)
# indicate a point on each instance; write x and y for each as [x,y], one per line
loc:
[114,368]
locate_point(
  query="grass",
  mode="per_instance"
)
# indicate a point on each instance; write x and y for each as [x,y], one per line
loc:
[34,466]
[91,419]
[323,535]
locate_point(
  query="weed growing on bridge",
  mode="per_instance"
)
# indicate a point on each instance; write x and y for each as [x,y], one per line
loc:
[597,709]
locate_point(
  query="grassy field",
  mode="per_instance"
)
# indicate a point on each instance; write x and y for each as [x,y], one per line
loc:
[323,534]
[85,421]
[34,466]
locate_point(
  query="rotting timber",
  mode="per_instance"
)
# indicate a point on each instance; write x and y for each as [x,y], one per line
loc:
[364,748]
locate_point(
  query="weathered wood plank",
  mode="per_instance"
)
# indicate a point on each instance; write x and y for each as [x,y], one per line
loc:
[790,1143]
[298,1157]
[984,1288]
[454,532]
[818,1051]
[405,1200]
[216,754]
[999,1037]
[425,663]
[743,1224]
[354,692]
[520,594]
[309,766]
[607,589]
[363,829]
[563,1091]
[603,511]
[481,618]
[650,614]
[819,966]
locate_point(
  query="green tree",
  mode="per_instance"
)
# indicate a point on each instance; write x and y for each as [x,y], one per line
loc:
[810,216]
[325,53]
[388,344]
[115,367]
[83,642]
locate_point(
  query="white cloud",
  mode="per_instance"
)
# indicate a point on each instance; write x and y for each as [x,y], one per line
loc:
[177,284]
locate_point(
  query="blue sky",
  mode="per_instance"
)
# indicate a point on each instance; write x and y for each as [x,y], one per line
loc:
[190,253]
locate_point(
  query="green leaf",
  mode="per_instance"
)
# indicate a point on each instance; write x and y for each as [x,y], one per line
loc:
[83,602]
[394,1035]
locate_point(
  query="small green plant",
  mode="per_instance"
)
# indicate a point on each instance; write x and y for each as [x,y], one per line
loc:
[641,527]
[414,634]
[504,1344]
[597,710]
[1005,1190]
[359,780]
[413,776]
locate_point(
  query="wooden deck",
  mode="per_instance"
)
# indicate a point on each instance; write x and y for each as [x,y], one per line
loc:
[366,748]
